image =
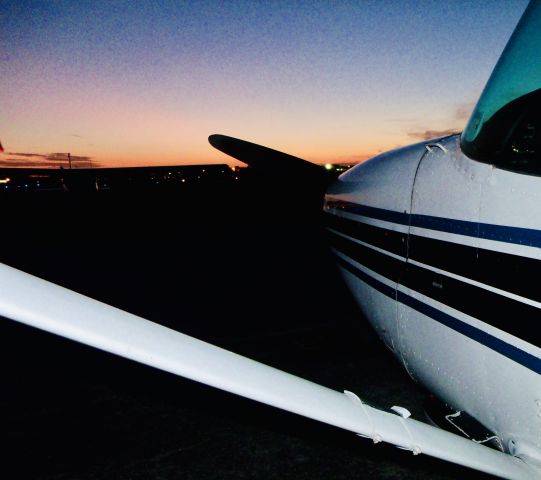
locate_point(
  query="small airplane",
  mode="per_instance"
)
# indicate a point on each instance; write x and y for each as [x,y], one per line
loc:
[439,243]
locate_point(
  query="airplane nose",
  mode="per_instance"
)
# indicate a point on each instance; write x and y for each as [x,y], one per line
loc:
[367,215]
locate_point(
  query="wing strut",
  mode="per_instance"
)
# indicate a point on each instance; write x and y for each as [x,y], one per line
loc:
[44,305]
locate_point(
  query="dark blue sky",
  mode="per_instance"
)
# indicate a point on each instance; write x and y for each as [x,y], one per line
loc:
[147,81]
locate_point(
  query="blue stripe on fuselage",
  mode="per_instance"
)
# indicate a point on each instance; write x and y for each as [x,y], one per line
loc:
[501,233]
[480,336]
[372,212]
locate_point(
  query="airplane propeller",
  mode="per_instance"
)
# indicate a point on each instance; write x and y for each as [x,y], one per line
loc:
[302,183]
[260,157]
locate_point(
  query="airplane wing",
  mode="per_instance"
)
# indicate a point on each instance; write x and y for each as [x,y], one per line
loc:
[44,305]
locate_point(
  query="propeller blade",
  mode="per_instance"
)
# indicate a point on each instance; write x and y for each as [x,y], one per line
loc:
[261,157]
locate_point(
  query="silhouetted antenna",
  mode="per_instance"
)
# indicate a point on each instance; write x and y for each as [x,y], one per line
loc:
[69,159]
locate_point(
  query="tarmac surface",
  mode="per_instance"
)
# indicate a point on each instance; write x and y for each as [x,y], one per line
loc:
[244,269]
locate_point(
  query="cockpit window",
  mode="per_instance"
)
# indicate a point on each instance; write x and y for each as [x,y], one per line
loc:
[505,127]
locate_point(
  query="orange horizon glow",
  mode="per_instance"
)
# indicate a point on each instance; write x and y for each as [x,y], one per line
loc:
[148,157]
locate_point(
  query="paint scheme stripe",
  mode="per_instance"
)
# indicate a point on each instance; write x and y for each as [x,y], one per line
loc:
[506,314]
[368,279]
[372,212]
[390,240]
[501,233]
[505,271]
[510,351]
[378,262]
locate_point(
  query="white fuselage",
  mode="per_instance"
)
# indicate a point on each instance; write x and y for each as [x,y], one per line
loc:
[439,251]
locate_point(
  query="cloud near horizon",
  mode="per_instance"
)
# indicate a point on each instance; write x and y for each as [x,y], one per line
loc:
[428,134]
[24,154]
[48,160]
[17,162]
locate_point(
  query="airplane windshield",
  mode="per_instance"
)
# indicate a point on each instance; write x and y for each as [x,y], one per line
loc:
[505,127]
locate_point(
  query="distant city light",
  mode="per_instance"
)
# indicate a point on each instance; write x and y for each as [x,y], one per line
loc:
[27,180]
[328,166]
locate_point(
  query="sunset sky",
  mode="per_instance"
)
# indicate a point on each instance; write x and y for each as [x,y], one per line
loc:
[121,83]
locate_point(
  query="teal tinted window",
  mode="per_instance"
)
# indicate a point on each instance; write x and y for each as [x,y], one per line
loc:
[505,127]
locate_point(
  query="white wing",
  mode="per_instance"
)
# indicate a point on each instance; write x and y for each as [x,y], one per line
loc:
[30,300]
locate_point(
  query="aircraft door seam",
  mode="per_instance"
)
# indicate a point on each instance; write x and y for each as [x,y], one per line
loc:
[399,321]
